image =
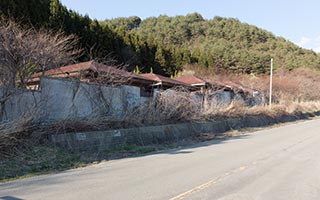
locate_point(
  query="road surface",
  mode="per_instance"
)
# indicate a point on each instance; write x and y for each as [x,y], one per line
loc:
[277,163]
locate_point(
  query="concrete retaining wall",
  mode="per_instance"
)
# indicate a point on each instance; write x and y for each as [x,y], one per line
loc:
[108,140]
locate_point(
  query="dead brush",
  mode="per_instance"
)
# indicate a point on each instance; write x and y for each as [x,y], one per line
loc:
[18,135]
[234,110]
[166,107]
[303,107]
[21,133]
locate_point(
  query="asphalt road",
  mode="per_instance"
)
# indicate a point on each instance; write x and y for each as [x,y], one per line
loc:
[278,163]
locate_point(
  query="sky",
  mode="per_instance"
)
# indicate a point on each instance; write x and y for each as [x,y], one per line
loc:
[294,20]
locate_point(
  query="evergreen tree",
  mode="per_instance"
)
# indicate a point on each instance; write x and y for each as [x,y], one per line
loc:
[166,43]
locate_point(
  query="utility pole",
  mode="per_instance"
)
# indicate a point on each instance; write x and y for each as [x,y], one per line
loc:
[270,97]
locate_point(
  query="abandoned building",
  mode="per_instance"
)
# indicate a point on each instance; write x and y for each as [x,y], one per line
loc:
[106,91]
[93,72]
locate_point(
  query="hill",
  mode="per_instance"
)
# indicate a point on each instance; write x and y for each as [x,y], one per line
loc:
[164,44]
[220,44]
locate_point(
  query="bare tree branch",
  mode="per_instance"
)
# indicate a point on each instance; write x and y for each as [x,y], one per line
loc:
[24,51]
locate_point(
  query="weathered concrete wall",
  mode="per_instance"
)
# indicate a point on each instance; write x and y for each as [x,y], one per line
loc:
[61,99]
[131,97]
[73,99]
[108,140]
[220,99]
[17,103]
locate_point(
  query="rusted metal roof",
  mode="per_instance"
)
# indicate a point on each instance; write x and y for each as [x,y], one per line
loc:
[163,80]
[236,87]
[226,85]
[192,80]
[82,67]
[66,69]
[75,69]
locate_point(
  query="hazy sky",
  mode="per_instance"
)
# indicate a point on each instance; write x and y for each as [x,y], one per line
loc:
[295,20]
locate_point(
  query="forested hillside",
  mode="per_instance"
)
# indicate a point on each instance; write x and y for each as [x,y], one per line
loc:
[164,43]
[220,44]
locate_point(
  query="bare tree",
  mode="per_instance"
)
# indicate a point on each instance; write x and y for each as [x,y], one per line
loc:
[24,51]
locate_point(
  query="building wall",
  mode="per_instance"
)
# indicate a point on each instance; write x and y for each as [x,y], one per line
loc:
[16,104]
[60,99]
[73,99]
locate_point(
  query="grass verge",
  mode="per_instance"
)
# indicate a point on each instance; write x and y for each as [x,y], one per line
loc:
[44,159]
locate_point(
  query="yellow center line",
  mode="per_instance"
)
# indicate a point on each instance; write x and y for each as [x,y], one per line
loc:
[207,184]
[198,188]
